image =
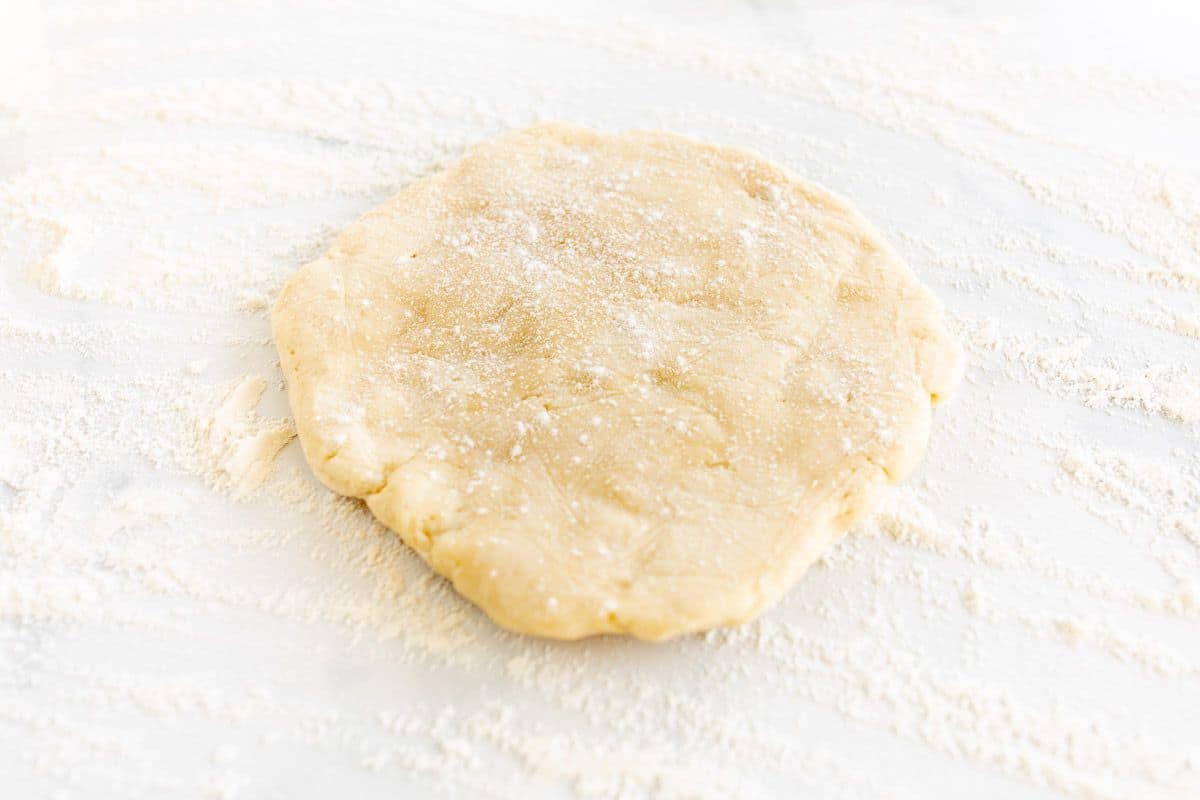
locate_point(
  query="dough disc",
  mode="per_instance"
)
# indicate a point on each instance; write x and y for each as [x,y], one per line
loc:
[628,383]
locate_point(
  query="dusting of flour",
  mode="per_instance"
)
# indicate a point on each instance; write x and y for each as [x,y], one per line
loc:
[185,611]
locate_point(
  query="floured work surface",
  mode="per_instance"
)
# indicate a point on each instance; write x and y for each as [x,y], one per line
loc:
[185,609]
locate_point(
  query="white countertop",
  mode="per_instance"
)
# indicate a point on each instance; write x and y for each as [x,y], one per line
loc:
[1021,620]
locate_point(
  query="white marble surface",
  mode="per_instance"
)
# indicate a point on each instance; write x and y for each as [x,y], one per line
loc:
[1022,622]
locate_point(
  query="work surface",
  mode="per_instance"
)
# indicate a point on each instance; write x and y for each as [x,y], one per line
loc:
[186,612]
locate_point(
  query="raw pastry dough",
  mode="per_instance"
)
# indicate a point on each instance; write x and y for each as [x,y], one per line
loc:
[627,383]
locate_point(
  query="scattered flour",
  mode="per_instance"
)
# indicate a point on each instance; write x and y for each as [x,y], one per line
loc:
[242,447]
[185,611]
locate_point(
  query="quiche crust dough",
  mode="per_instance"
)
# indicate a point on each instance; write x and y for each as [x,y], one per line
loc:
[613,383]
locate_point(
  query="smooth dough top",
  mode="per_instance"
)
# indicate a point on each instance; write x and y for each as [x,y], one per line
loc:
[629,383]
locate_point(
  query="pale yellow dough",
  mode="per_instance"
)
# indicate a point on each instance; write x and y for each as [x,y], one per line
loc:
[628,383]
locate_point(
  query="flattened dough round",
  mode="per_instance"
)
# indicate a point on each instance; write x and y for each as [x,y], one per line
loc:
[628,383]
